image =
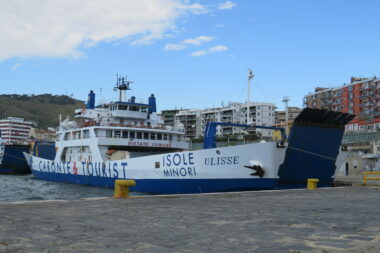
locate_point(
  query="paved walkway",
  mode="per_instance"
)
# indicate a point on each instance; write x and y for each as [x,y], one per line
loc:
[325,220]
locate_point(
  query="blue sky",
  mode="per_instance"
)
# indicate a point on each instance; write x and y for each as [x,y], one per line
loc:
[190,54]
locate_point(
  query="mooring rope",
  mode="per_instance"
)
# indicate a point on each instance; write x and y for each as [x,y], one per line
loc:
[15,157]
[311,153]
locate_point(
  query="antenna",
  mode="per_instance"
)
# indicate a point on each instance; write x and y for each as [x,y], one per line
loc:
[286,100]
[122,84]
[250,77]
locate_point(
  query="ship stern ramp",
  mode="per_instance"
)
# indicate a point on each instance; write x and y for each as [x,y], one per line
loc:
[313,147]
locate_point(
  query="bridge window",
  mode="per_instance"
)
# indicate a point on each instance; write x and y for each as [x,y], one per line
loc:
[134,108]
[131,135]
[146,136]
[159,136]
[125,134]
[109,134]
[144,109]
[117,134]
[165,137]
[139,135]
[152,136]
[123,107]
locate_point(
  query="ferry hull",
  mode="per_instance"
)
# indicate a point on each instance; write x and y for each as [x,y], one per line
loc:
[167,186]
[202,171]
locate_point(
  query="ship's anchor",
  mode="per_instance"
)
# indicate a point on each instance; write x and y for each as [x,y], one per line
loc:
[258,170]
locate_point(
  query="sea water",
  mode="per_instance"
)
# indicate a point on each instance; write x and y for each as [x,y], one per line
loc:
[26,187]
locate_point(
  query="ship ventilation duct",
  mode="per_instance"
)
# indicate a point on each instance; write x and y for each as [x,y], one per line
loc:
[152,104]
[91,100]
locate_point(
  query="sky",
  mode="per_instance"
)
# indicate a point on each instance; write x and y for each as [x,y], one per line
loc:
[190,54]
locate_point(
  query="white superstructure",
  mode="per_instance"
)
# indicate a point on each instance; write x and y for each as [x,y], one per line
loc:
[117,130]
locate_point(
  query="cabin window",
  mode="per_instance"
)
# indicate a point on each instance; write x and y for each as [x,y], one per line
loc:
[86,134]
[144,109]
[152,136]
[139,135]
[134,108]
[117,134]
[131,135]
[165,137]
[146,136]
[125,134]
[109,134]
[159,136]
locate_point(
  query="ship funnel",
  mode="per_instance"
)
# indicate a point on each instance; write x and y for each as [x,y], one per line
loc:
[152,104]
[91,100]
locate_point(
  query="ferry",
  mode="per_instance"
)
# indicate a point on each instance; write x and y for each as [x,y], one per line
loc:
[127,140]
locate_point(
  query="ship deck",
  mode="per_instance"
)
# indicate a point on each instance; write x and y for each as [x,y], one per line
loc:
[341,219]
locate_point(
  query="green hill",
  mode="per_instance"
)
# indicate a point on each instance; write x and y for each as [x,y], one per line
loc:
[43,109]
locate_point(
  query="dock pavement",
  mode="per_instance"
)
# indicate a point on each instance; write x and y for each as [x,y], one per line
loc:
[340,219]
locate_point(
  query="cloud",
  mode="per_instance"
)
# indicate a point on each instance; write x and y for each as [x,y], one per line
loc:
[226,5]
[210,50]
[61,28]
[185,43]
[16,66]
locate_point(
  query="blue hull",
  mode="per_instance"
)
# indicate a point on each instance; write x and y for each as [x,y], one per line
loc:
[13,161]
[166,186]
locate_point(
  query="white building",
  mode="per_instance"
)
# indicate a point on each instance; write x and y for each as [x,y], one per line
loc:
[15,130]
[250,113]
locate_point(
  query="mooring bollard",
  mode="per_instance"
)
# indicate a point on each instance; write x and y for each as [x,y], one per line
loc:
[122,188]
[312,183]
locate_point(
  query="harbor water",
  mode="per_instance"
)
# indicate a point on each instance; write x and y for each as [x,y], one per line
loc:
[26,187]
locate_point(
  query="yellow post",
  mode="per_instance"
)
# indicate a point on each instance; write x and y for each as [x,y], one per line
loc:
[365,176]
[122,188]
[312,183]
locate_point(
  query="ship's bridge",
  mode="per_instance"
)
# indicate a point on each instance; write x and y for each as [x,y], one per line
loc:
[129,110]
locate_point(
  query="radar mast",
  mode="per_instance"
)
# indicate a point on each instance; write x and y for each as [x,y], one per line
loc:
[122,84]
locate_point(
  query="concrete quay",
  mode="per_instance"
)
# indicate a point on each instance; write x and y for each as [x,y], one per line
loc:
[341,219]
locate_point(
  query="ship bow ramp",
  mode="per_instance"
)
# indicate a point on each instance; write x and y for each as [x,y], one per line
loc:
[313,146]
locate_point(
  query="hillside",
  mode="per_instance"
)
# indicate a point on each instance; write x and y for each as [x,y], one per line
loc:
[43,109]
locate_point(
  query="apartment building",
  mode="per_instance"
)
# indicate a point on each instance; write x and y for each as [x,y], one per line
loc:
[168,116]
[15,130]
[360,97]
[280,116]
[252,113]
